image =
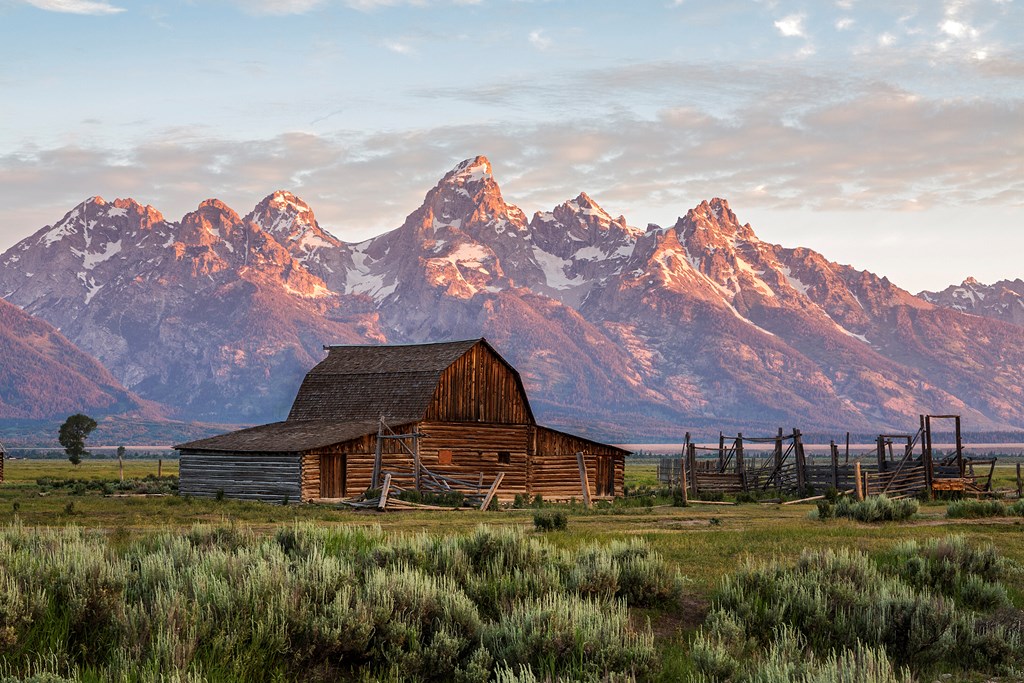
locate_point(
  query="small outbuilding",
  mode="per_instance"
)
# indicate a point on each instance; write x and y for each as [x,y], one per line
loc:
[454,414]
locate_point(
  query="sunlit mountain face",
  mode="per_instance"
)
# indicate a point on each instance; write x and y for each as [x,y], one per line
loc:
[624,331]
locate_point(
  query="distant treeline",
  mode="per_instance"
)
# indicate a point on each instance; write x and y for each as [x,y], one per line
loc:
[94,453]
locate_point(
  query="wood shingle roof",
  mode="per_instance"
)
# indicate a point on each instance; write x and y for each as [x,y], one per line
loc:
[291,436]
[367,382]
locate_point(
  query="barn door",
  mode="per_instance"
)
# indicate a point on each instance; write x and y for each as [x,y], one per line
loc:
[332,476]
[605,475]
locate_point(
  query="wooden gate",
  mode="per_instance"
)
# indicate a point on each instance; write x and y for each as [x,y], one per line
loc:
[332,476]
[605,476]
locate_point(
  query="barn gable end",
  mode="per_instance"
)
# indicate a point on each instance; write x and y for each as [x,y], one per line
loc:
[466,404]
[480,386]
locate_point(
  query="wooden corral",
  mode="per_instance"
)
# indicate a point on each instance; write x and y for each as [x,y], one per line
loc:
[435,417]
[898,465]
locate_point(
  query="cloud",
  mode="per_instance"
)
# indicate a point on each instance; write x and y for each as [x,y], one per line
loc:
[791,26]
[76,7]
[844,23]
[399,47]
[539,40]
[875,148]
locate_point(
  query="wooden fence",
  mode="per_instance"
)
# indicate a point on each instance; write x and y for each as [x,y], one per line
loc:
[898,465]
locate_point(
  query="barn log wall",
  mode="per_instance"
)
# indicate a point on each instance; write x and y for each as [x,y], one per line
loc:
[555,473]
[270,477]
[479,387]
[475,449]
[310,476]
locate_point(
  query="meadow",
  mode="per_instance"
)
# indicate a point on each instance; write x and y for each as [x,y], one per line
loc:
[665,587]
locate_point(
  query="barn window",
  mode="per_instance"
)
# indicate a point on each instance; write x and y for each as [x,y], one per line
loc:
[504,457]
[444,456]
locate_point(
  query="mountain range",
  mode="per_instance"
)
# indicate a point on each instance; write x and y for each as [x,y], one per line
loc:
[619,331]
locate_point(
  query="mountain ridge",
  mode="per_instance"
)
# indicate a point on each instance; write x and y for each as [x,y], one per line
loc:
[613,327]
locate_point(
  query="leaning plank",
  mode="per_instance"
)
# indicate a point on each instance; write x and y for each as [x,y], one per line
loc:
[384,492]
[584,479]
[711,502]
[803,500]
[492,491]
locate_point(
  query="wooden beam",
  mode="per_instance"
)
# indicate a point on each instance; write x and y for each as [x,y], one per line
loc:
[384,492]
[584,479]
[691,458]
[857,480]
[375,479]
[491,491]
[682,477]
[834,452]
[801,460]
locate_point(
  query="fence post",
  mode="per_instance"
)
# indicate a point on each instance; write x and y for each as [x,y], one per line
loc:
[160,467]
[857,481]
[880,448]
[834,451]
[801,461]
[721,452]
[1020,483]
[739,460]
[692,458]
[682,476]
[682,463]
[778,460]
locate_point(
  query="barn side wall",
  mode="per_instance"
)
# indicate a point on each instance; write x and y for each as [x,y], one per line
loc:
[555,473]
[475,449]
[248,476]
[479,387]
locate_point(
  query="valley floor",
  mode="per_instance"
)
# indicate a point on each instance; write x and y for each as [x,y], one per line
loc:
[705,542]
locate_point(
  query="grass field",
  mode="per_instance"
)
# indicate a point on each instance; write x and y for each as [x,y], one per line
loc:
[703,542]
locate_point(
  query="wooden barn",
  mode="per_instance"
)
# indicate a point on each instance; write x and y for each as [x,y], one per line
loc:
[446,414]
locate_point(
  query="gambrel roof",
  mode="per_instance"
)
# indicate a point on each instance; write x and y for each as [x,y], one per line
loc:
[366,382]
[344,396]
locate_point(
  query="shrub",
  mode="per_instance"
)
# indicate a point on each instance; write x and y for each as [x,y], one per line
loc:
[877,509]
[777,622]
[974,509]
[554,520]
[826,509]
[309,603]
[952,567]
[1016,509]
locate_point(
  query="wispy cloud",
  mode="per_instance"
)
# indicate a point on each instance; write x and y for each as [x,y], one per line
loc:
[791,26]
[539,40]
[76,7]
[844,23]
[399,47]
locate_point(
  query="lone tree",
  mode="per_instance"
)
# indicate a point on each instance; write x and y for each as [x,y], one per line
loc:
[73,434]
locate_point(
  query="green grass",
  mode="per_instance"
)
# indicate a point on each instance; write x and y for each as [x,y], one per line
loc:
[687,538]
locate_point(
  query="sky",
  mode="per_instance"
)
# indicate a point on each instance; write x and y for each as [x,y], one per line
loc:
[886,135]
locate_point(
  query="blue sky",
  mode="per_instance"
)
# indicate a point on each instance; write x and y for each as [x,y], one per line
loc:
[866,130]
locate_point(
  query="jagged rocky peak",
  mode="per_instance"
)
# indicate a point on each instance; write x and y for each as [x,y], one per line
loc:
[289,219]
[468,197]
[470,172]
[213,221]
[712,223]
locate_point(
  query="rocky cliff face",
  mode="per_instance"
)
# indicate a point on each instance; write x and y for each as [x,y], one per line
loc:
[211,315]
[1003,300]
[43,375]
[628,331]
